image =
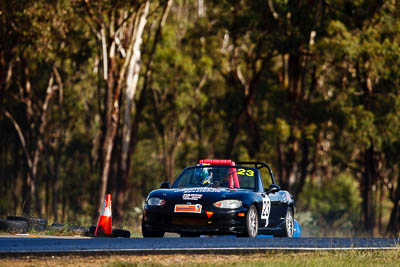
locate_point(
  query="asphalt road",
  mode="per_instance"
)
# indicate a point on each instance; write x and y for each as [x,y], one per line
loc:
[14,246]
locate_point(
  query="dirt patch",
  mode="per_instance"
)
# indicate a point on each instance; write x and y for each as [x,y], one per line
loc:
[164,260]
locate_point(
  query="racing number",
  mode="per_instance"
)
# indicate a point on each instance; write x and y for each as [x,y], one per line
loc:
[245,172]
[266,208]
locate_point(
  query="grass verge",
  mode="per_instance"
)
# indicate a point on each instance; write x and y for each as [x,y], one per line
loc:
[309,259]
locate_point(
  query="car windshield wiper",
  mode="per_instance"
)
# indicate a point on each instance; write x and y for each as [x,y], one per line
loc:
[226,177]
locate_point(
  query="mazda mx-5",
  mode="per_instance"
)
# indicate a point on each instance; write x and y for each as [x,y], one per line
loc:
[220,197]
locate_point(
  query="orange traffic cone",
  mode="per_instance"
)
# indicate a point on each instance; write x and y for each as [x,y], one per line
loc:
[104,224]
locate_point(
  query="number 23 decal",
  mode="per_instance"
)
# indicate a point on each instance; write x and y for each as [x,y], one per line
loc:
[266,208]
[245,172]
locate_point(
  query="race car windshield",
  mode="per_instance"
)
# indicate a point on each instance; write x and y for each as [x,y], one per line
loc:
[218,176]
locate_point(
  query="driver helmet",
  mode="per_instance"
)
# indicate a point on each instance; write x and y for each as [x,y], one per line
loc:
[203,175]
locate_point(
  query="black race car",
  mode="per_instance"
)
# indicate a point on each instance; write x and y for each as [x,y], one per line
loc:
[219,197]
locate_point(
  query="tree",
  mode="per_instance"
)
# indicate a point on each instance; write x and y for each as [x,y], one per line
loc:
[24,89]
[118,27]
[366,53]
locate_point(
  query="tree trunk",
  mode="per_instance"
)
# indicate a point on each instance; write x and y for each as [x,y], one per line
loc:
[367,194]
[33,154]
[28,193]
[394,221]
[233,132]
[107,151]
[55,189]
[253,131]
[169,159]
[287,163]
[126,172]
[131,86]
[291,163]
[304,166]
[110,121]
[281,169]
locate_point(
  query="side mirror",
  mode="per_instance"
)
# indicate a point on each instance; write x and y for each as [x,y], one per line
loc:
[165,185]
[273,188]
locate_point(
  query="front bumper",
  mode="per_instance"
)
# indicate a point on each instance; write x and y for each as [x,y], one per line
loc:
[222,221]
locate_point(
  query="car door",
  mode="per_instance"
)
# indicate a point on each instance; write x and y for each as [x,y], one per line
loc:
[275,212]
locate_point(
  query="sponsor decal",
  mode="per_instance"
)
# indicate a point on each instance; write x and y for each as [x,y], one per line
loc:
[199,190]
[188,208]
[192,196]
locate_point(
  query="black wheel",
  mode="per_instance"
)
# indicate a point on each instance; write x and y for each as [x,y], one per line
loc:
[57,227]
[92,230]
[147,233]
[77,230]
[14,226]
[251,222]
[121,233]
[288,226]
[36,224]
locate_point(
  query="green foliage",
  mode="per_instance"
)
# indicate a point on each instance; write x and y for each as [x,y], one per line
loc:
[333,204]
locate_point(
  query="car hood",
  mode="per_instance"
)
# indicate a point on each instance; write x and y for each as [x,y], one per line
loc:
[202,195]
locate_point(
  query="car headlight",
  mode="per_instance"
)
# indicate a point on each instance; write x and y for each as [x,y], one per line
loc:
[155,201]
[228,204]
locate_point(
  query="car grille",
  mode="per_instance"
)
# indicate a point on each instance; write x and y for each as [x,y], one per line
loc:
[190,221]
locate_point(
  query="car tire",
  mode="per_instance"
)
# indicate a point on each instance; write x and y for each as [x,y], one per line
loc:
[92,230]
[147,233]
[121,233]
[288,226]
[57,227]
[251,229]
[36,224]
[14,226]
[77,230]
[115,232]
